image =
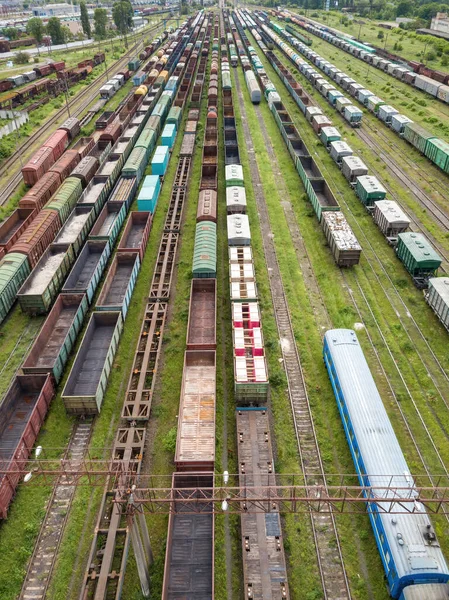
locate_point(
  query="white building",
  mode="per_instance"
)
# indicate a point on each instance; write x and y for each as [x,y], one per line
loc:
[55,10]
[440,23]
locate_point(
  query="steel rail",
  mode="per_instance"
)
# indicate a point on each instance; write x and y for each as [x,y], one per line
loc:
[87,95]
[332,572]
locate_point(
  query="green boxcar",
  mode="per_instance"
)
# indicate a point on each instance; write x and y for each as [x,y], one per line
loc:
[417,255]
[438,152]
[39,291]
[175,116]
[134,64]
[65,199]
[51,350]
[136,164]
[162,107]
[147,140]
[417,136]
[369,189]
[205,250]
[234,175]
[14,269]
[226,83]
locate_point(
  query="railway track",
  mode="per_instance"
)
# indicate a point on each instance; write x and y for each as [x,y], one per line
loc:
[43,559]
[329,556]
[415,335]
[439,215]
[77,106]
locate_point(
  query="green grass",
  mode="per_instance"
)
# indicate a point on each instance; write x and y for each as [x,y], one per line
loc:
[303,571]
[395,334]
[419,106]
[74,542]
[413,45]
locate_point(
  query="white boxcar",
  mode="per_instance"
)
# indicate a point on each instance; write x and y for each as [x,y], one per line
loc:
[235,199]
[390,218]
[340,149]
[385,112]
[427,85]
[443,93]
[353,167]
[363,96]
[312,111]
[398,123]
[353,115]
[239,233]
[438,298]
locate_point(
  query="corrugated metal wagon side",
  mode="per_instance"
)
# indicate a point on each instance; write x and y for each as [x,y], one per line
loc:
[136,233]
[88,269]
[22,413]
[85,388]
[51,350]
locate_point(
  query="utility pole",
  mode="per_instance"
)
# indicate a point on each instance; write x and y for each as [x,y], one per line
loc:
[18,132]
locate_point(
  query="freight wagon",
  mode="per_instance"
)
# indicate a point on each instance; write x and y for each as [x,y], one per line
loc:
[88,269]
[51,350]
[391,219]
[95,194]
[39,291]
[190,555]
[76,229]
[86,385]
[119,284]
[109,223]
[195,442]
[205,250]
[135,234]
[418,257]
[41,192]
[13,227]
[22,413]
[202,315]
[14,269]
[437,297]
[38,236]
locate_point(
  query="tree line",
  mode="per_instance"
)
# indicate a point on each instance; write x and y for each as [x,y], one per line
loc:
[122,16]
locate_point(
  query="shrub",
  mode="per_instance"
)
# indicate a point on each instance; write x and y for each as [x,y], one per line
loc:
[21,58]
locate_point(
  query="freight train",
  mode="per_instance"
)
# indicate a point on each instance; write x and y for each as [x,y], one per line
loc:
[413,249]
[31,393]
[411,556]
[40,83]
[343,244]
[434,148]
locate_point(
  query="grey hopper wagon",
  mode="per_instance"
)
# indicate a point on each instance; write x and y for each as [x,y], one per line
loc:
[437,297]
[391,219]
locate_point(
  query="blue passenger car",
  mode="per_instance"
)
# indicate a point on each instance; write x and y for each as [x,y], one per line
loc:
[411,556]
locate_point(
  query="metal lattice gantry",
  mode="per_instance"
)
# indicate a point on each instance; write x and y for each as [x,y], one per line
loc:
[340,493]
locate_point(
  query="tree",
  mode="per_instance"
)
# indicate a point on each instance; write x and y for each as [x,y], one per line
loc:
[10,32]
[36,29]
[54,30]
[85,19]
[404,8]
[122,13]
[101,21]
[22,58]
